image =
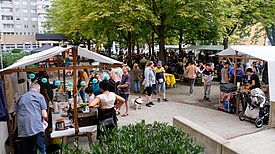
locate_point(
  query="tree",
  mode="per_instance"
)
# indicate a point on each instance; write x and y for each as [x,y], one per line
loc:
[236,15]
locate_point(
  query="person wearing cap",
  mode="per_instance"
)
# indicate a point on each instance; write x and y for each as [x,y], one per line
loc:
[208,76]
[31,116]
[160,80]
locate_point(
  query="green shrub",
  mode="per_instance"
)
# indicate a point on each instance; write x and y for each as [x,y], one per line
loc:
[16,50]
[156,138]
[10,58]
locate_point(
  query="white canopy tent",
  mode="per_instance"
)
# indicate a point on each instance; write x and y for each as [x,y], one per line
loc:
[265,53]
[46,54]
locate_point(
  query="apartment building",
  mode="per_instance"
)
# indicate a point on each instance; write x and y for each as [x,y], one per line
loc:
[19,22]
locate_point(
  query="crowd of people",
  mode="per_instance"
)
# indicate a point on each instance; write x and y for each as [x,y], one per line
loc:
[110,89]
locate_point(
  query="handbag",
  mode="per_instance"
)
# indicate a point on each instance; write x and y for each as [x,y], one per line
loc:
[160,81]
[109,122]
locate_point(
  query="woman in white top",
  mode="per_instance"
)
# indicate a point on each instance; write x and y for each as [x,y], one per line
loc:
[106,102]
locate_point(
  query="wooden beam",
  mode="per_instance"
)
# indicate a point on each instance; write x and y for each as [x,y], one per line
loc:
[242,58]
[57,68]
[75,91]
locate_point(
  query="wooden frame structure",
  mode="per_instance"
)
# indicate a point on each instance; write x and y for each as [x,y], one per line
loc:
[74,67]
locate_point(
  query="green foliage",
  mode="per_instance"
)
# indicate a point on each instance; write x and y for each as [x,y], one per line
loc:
[16,50]
[10,58]
[145,138]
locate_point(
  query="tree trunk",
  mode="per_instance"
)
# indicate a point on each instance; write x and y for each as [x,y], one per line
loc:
[180,42]
[225,42]
[89,44]
[270,32]
[138,50]
[161,30]
[153,44]
[129,42]
[162,52]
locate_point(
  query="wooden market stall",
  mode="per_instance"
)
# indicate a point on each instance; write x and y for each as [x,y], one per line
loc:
[263,53]
[43,56]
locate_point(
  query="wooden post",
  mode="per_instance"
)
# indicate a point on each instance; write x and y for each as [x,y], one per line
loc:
[64,75]
[8,122]
[75,90]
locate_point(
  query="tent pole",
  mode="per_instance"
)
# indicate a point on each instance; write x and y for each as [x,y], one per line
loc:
[75,91]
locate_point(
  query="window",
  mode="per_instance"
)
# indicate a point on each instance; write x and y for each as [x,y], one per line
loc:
[33,3]
[18,26]
[6,9]
[25,11]
[17,18]
[33,11]
[4,17]
[24,3]
[16,3]
[33,26]
[34,19]
[26,26]
[8,25]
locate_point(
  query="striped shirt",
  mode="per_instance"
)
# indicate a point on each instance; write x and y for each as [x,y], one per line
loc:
[29,113]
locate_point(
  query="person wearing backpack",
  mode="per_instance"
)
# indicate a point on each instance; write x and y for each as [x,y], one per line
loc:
[160,81]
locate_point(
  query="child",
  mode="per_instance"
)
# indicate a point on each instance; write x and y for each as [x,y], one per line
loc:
[208,77]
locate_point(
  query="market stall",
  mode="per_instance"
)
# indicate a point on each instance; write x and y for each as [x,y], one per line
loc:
[264,53]
[69,62]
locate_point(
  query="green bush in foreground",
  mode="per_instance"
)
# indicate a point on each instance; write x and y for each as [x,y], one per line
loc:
[144,138]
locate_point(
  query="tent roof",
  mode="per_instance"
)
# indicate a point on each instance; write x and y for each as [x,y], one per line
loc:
[46,54]
[97,57]
[266,53]
[206,47]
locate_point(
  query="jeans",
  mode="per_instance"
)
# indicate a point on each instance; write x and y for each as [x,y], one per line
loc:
[82,95]
[207,89]
[161,87]
[192,83]
[33,143]
[137,86]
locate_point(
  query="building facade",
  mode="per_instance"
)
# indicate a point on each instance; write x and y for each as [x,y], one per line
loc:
[19,22]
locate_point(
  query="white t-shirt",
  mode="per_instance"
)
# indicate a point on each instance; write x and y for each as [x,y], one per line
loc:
[107,101]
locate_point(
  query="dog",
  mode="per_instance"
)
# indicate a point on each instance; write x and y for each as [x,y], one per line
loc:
[137,102]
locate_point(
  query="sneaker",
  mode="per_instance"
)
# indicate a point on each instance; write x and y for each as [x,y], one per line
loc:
[151,103]
[148,105]
[159,100]
[165,100]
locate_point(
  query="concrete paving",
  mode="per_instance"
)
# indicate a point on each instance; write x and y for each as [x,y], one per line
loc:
[223,124]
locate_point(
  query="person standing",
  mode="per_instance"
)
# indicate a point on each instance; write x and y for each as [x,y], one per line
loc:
[80,87]
[208,76]
[160,80]
[137,77]
[225,74]
[31,113]
[255,68]
[150,80]
[191,71]
[124,87]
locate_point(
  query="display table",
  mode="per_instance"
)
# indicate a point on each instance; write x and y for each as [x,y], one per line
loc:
[170,79]
[64,134]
